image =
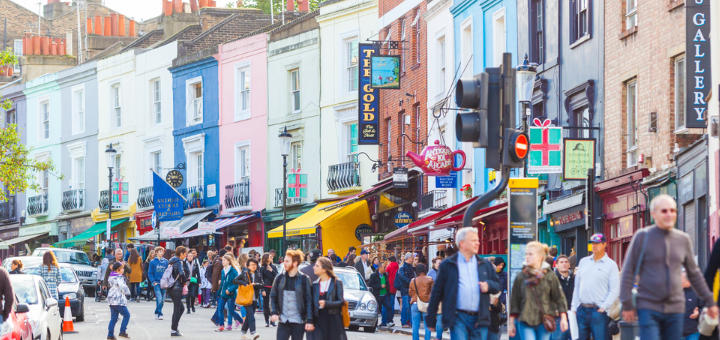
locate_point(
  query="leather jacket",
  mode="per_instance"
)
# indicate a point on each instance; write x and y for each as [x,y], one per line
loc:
[303,295]
[333,297]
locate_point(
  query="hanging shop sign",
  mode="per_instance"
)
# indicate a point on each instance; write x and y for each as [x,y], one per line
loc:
[297,184]
[522,220]
[369,98]
[446,182]
[697,62]
[546,144]
[402,219]
[167,202]
[174,178]
[578,157]
[437,160]
[120,195]
[206,227]
[400,178]
[362,231]
[385,72]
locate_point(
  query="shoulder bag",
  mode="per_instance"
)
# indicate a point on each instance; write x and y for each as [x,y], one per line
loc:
[421,305]
[245,293]
[548,320]
[344,310]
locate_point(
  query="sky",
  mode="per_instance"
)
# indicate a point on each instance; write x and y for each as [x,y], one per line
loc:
[135,9]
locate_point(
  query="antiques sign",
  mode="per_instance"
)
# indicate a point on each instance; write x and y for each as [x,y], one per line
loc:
[697,62]
[368,98]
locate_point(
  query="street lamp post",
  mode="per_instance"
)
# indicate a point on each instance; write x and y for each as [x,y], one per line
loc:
[525,81]
[285,138]
[110,152]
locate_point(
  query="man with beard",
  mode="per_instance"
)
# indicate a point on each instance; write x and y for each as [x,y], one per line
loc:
[291,300]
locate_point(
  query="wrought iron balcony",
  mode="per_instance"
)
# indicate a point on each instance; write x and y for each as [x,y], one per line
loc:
[7,209]
[290,200]
[343,178]
[145,198]
[435,199]
[73,200]
[37,205]
[238,195]
[103,200]
[194,197]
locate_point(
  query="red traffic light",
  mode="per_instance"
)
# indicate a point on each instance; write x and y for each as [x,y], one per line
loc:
[521,146]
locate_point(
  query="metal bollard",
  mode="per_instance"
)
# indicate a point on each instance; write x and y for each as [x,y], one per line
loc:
[629,330]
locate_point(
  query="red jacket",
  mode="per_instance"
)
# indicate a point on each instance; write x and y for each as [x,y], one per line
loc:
[391,270]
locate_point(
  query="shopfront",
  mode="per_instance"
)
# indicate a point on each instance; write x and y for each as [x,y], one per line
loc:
[9,232]
[692,198]
[567,220]
[143,221]
[623,205]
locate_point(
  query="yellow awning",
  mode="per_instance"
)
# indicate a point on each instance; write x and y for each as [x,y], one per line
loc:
[305,224]
[337,226]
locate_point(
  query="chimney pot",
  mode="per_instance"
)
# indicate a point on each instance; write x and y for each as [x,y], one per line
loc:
[98,25]
[290,5]
[108,27]
[121,25]
[193,6]
[132,28]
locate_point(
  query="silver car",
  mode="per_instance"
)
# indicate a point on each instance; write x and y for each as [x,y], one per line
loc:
[361,303]
[79,262]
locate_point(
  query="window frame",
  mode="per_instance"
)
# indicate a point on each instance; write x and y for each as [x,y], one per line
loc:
[537,31]
[44,119]
[156,160]
[295,94]
[242,163]
[190,118]
[116,105]
[78,171]
[679,109]
[442,63]
[78,120]
[498,52]
[296,151]
[243,88]
[352,72]
[631,149]
[576,34]
[417,47]
[403,35]
[156,100]
[631,14]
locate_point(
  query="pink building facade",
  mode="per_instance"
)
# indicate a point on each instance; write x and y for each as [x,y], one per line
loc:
[243,135]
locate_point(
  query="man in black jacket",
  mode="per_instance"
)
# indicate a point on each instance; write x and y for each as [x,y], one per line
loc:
[308,270]
[291,300]
[180,273]
[567,283]
[363,266]
[473,278]
[402,283]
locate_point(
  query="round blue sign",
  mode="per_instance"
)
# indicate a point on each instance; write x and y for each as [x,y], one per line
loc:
[402,219]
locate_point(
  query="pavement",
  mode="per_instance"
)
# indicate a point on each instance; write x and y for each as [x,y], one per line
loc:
[143,325]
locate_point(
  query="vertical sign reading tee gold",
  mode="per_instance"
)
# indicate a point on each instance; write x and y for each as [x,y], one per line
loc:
[522,222]
[368,98]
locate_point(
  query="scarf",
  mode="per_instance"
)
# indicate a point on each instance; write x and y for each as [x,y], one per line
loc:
[533,276]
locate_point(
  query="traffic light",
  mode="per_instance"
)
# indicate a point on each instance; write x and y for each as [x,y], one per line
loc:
[481,126]
[515,148]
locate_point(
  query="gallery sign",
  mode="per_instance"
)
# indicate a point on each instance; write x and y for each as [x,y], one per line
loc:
[368,98]
[697,62]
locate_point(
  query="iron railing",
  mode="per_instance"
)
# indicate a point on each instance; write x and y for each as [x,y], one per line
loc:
[290,200]
[37,205]
[435,199]
[343,176]
[73,200]
[145,198]
[238,195]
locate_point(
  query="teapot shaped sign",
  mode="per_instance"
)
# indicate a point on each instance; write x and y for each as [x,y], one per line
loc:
[437,160]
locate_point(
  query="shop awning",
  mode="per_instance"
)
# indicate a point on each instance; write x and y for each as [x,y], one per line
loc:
[6,244]
[98,228]
[182,225]
[337,226]
[479,215]
[428,221]
[222,223]
[213,227]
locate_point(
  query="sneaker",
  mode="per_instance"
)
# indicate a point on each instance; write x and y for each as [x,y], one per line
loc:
[255,336]
[160,317]
[111,338]
[244,337]
[229,328]
[220,329]
[267,325]
[391,324]
[406,326]
[273,324]
[237,324]
[157,317]
[124,335]
[175,333]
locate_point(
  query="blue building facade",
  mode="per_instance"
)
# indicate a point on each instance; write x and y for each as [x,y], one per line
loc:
[195,130]
[483,30]
[11,211]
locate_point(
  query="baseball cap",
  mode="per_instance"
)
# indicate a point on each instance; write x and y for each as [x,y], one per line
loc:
[597,238]
[364,252]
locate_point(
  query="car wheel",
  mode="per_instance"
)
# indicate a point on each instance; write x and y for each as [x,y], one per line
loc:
[353,328]
[369,329]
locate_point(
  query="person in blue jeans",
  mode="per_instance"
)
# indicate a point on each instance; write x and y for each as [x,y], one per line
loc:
[117,300]
[402,282]
[227,293]
[419,292]
[155,272]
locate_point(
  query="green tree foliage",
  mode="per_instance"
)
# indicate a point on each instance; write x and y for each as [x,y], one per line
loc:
[277,5]
[17,170]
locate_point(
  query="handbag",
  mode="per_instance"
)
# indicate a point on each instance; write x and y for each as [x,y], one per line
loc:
[548,320]
[245,294]
[185,290]
[421,305]
[344,310]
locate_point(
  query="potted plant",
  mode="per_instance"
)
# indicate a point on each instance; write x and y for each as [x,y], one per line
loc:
[7,62]
[467,190]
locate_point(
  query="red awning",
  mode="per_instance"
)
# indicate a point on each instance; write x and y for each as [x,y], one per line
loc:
[480,214]
[426,222]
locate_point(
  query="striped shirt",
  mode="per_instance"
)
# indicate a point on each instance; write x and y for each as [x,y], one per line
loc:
[52,279]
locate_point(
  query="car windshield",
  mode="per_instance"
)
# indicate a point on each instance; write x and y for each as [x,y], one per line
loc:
[72,257]
[66,274]
[24,289]
[351,280]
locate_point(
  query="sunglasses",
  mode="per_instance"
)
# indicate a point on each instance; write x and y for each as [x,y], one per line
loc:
[666,211]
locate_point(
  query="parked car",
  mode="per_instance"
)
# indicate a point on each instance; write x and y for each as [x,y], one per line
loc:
[27,261]
[17,326]
[69,287]
[79,262]
[44,314]
[361,303]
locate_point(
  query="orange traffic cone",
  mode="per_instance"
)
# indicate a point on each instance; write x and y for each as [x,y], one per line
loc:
[67,318]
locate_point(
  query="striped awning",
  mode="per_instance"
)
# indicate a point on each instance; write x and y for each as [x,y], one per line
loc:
[224,222]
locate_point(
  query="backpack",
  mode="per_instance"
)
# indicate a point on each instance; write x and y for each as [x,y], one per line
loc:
[208,272]
[167,280]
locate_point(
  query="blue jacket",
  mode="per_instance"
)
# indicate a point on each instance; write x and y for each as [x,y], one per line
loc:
[445,290]
[156,269]
[403,277]
[226,283]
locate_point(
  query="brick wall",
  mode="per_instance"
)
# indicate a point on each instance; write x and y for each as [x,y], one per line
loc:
[413,81]
[19,21]
[647,54]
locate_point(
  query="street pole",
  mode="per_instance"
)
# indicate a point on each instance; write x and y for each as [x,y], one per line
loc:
[283,246]
[525,116]
[109,220]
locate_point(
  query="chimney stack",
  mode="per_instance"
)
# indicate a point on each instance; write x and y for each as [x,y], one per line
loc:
[167,7]
[114,23]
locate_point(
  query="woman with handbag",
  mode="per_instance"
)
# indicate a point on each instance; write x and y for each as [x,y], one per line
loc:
[537,298]
[328,302]
[419,291]
[227,293]
[268,273]
[249,282]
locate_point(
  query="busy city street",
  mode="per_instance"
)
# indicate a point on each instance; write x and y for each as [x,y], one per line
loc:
[194,326]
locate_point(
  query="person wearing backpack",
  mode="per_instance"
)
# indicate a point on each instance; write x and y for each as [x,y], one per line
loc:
[175,279]
[227,293]
[155,272]
[419,292]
